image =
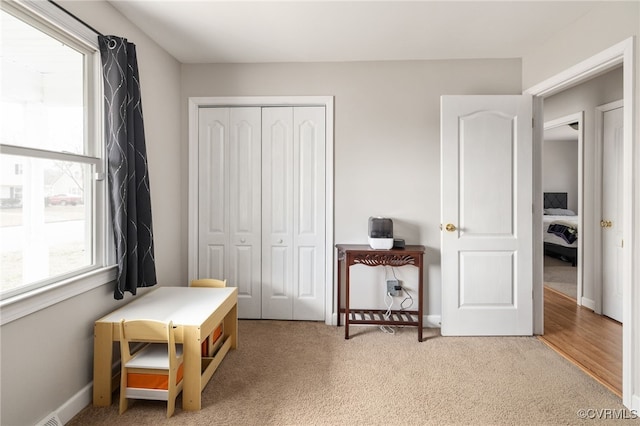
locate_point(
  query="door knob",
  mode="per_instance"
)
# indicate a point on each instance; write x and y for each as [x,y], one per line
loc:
[606,223]
[242,240]
[279,241]
[450,227]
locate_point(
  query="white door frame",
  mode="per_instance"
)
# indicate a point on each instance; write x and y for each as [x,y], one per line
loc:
[621,53]
[562,121]
[245,101]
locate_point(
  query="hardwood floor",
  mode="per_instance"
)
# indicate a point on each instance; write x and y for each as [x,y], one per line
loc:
[593,342]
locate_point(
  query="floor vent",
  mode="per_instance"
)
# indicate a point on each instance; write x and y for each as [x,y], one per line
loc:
[51,420]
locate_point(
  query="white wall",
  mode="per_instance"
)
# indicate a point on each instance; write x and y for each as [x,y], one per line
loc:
[387,137]
[47,357]
[608,24]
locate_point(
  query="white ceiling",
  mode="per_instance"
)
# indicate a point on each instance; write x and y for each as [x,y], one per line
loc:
[213,31]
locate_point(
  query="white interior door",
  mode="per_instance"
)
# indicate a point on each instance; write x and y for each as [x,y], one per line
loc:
[293,222]
[612,230]
[486,167]
[229,207]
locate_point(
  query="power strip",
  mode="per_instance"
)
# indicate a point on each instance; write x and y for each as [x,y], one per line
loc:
[393,287]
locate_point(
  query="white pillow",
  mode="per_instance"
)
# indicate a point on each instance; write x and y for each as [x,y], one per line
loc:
[559,212]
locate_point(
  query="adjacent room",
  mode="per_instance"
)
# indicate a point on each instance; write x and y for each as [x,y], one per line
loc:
[583,320]
[235,192]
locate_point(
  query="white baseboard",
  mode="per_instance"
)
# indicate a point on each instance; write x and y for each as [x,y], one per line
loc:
[75,404]
[635,404]
[588,303]
[432,321]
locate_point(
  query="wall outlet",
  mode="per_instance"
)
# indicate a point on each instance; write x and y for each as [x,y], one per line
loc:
[393,287]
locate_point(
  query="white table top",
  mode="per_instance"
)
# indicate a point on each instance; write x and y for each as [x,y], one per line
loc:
[189,306]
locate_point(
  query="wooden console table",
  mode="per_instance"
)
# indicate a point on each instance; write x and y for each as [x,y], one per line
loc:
[350,254]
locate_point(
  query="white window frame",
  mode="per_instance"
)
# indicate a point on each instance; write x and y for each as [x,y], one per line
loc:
[46,14]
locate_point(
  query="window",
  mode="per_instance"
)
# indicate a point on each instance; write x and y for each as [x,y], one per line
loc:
[52,189]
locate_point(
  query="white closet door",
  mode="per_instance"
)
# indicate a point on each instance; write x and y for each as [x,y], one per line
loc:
[612,232]
[293,223]
[229,202]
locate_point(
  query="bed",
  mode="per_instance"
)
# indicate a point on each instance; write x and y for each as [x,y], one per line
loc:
[560,228]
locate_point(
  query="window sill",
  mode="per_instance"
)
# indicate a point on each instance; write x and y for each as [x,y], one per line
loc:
[27,303]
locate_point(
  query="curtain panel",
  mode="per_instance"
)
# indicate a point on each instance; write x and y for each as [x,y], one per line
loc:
[128,173]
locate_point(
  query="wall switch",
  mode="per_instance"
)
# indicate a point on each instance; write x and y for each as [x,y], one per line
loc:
[392,286]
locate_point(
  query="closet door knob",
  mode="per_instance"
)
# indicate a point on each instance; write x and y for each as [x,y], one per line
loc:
[450,227]
[243,240]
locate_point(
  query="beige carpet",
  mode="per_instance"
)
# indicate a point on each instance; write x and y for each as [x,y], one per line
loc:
[305,373]
[560,276]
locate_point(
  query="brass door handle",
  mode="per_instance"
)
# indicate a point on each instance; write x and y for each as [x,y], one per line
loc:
[606,224]
[450,227]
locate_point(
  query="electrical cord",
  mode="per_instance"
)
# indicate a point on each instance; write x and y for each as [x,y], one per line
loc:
[389,302]
[405,299]
[386,328]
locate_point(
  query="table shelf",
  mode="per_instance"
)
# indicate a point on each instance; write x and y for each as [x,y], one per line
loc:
[377,316]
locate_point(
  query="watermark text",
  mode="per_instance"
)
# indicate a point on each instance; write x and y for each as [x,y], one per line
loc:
[607,414]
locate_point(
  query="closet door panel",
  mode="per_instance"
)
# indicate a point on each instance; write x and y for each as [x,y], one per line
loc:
[245,166]
[309,212]
[243,260]
[214,265]
[213,194]
[279,284]
[277,212]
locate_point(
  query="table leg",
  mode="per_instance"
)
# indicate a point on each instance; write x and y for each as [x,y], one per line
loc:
[346,302]
[192,387]
[231,325]
[339,298]
[102,360]
[420,298]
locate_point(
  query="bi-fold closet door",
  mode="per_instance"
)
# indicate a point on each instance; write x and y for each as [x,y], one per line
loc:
[261,207]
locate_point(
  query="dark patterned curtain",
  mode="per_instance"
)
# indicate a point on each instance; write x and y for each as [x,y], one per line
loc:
[127,166]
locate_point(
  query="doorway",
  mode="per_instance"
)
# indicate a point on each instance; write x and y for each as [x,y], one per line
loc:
[589,340]
[619,54]
[562,185]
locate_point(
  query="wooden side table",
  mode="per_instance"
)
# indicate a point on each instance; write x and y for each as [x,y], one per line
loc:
[356,254]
